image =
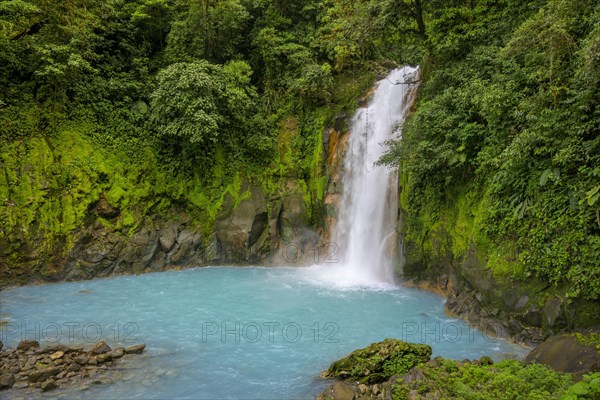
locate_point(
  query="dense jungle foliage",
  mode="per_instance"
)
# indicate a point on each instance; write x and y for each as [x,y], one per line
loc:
[155,102]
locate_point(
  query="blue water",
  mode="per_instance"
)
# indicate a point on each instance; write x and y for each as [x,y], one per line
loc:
[292,325]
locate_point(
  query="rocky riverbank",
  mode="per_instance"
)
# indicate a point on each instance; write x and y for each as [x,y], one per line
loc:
[394,369]
[527,312]
[31,367]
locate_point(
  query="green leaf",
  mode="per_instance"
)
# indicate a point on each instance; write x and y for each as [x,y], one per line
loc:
[580,389]
[545,175]
[593,195]
[595,385]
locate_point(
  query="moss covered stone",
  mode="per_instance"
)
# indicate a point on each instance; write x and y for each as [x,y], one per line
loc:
[379,361]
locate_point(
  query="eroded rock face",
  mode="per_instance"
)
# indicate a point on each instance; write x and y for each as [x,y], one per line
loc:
[241,230]
[155,246]
[251,227]
[262,229]
[522,310]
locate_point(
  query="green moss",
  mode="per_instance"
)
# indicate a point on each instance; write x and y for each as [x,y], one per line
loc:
[589,339]
[379,361]
[508,379]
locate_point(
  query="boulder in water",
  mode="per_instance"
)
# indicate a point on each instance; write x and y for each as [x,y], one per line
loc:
[378,362]
[100,348]
[117,353]
[27,345]
[137,349]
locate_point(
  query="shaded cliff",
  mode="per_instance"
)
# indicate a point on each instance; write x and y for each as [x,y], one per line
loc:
[71,209]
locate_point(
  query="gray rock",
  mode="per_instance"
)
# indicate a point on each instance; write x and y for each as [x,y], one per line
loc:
[338,391]
[137,349]
[414,375]
[362,388]
[167,236]
[523,300]
[48,385]
[292,218]
[1,344]
[375,390]
[117,353]
[82,359]
[102,358]
[60,347]
[7,381]
[100,348]
[43,374]
[564,353]
[27,344]
[552,310]
[73,367]
[187,243]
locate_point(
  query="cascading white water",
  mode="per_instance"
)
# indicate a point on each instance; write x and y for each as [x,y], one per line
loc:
[367,212]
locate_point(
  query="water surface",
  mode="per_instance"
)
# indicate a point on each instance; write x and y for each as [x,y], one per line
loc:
[291,324]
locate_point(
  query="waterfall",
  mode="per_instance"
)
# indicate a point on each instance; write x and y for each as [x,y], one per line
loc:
[365,231]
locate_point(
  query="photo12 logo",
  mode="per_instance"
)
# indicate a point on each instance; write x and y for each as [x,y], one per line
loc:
[269,332]
[450,332]
[72,332]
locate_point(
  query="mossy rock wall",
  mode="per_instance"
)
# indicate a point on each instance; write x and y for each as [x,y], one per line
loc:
[482,280]
[72,209]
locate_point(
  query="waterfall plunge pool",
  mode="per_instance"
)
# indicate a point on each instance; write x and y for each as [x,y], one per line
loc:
[239,333]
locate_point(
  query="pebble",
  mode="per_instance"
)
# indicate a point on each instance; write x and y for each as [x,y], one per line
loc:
[100,348]
[48,385]
[31,367]
[27,344]
[135,349]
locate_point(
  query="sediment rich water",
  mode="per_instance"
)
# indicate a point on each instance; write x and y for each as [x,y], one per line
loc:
[292,323]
